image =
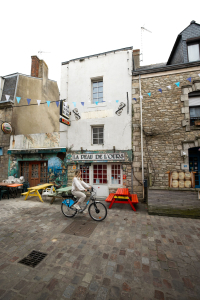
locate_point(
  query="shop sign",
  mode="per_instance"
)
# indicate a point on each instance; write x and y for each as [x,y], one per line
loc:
[6,128]
[64,121]
[99,156]
[124,176]
[64,109]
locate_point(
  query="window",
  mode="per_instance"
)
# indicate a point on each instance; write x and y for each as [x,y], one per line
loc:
[85,173]
[194,52]
[116,174]
[97,135]
[97,91]
[100,174]
[194,105]
[1,151]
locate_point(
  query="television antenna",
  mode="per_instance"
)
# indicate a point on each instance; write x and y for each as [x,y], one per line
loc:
[40,52]
[142,30]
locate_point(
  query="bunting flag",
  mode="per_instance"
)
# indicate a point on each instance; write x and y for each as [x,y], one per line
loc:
[57,103]
[48,103]
[141,97]
[149,94]
[28,100]
[18,99]
[177,83]
[7,97]
[135,99]
[82,103]
[169,87]
[160,90]
[199,74]
[189,79]
[74,103]
[117,101]
[96,102]
[38,102]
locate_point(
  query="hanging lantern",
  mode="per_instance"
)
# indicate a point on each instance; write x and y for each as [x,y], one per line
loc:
[6,127]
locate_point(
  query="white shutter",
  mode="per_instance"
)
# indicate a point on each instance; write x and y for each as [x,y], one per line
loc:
[194,101]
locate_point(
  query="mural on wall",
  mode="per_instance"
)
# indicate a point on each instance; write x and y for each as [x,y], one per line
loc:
[12,167]
[120,108]
[57,171]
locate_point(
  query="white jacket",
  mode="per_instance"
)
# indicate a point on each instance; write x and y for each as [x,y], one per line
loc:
[79,185]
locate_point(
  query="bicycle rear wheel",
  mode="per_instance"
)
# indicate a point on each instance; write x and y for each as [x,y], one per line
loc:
[97,211]
[68,211]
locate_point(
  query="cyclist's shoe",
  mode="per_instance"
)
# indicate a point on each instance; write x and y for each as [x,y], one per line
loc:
[76,206]
[84,211]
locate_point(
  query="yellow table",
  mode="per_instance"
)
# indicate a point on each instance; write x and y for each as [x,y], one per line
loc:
[34,190]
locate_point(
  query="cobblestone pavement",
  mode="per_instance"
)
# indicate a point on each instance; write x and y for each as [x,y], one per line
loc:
[128,256]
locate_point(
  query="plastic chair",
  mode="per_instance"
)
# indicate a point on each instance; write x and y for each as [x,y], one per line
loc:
[4,190]
[48,191]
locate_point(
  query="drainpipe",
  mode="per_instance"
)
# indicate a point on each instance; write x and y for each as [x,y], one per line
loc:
[141,126]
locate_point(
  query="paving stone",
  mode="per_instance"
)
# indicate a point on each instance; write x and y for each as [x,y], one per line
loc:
[69,291]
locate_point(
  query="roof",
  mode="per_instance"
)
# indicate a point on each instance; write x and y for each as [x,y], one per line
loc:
[103,53]
[177,41]
[164,67]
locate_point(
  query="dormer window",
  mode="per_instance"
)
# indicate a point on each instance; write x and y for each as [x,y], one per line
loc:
[194,51]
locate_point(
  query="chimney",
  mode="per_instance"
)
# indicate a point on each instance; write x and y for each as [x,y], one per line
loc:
[136,58]
[35,66]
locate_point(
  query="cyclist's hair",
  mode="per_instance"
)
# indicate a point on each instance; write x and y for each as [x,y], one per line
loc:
[77,172]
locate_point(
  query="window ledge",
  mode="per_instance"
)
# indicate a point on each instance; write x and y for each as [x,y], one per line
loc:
[194,127]
[96,105]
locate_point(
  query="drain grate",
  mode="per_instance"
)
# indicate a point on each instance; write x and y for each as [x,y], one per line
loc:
[33,259]
[80,228]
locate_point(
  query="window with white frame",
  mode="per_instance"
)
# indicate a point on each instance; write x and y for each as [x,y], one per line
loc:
[97,91]
[116,174]
[98,135]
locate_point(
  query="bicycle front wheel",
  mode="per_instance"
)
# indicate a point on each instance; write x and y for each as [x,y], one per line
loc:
[97,211]
[67,211]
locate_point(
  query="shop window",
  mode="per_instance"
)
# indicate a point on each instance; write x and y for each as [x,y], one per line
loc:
[116,174]
[97,91]
[85,173]
[98,135]
[194,51]
[99,174]
[194,105]
[1,151]
[24,170]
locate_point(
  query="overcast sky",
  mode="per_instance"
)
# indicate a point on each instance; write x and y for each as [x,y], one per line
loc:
[72,29]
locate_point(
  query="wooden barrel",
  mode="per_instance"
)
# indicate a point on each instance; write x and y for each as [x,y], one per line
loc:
[188,183]
[181,175]
[175,183]
[181,183]
[174,175]
[187,175]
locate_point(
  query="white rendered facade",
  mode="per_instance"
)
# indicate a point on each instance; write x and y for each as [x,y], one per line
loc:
[114,69]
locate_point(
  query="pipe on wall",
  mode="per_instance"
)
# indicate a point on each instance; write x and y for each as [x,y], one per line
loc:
[141,128]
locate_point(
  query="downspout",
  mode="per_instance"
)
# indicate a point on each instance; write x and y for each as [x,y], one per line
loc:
[141,127]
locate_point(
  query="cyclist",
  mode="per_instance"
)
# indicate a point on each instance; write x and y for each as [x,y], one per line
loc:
[78,186]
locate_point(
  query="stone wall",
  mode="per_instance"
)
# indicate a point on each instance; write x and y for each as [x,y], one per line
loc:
[165,124]
[5,115]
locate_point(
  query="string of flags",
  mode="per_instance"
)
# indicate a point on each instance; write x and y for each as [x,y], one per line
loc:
[169,87]
[48,102]
[38,101]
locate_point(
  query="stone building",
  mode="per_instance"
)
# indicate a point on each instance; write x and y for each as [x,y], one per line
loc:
[31,149]
[167,127]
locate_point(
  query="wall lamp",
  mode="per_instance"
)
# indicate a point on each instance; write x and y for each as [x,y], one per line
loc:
[114,149]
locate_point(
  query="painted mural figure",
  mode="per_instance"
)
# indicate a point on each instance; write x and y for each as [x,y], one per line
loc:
[78,186]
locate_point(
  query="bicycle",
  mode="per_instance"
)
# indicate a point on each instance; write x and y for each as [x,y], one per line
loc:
[96,209]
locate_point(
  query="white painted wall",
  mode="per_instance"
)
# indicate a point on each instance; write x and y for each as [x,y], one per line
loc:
[76,86]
